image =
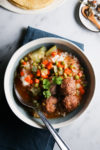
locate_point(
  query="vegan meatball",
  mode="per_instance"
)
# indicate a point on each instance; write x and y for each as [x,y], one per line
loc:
[51,104]
[68,87]
[71,102]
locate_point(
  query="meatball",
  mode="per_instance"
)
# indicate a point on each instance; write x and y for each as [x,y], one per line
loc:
[53,89]
[51,104]
[68,87]
[71,102]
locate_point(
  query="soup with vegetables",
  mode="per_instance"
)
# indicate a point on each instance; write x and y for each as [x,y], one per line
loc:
[52,79]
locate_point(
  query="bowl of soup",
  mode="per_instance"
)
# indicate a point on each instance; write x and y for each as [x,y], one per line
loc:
[55,76]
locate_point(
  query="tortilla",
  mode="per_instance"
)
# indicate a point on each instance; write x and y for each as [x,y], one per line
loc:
[31,4]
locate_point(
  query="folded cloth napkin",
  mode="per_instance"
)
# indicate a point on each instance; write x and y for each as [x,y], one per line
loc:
[16,135]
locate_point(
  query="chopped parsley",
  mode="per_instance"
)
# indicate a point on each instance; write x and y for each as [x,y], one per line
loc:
[47,93]
[57,80]
[46,84]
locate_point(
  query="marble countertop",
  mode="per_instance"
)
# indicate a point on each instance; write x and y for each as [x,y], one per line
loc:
[84,133]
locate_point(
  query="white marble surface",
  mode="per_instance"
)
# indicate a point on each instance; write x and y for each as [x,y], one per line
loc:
[84,133]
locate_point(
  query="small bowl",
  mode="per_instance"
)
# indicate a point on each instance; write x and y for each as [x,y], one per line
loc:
[18,110]
[88,24]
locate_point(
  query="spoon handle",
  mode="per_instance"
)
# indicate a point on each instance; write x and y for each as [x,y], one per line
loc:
[54,133]
[94,21]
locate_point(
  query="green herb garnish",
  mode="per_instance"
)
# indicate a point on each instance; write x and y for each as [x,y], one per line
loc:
[46,84]
[34,69]
[57,80]
[47,93]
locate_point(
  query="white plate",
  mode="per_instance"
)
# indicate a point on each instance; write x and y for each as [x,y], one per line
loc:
[85,21]
[9,6]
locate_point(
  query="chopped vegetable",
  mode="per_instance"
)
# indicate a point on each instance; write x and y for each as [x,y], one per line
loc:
[77,77]
[60,72]
[55,69]
[63,63]
[57,80]
[35,90]
[26,59]
[59,64]
[47,93]
[31,75]
[42,65]
[22,73]
[82,91]
[41,79]
[80,74]
[44,73]
[28,79]
[24,63]
[71,66]
[31,81]
[65,75]
[36,85]
[46,84]
[70,75]
[21,61]
[54,54]
[56,62]
[52,49]
[34,68]
[67,71]
[45,62]
[37,55]
[49,65]
[37,81]
[38,73]
[60,68]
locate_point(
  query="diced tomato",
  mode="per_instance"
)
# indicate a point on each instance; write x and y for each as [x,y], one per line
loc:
[54,54]
[22,73]
[38,73]
[67,71]
[49,65]
[24,63]
[45,62]
[27,79]
[31,75]
[82,91]
[37,81]
[78,81]
[48,72]
[59,64]
[44,76]
[80,74]
[31,81]
[45,73]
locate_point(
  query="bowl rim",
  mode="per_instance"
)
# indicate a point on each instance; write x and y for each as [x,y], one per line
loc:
[24,48]
[7,5]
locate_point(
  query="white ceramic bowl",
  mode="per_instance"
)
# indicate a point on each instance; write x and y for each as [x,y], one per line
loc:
[18,110]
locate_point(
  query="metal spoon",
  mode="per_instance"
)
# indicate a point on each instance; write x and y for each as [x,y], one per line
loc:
[54,133]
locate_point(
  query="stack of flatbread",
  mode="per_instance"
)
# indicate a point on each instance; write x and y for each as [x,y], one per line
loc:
[31,4]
